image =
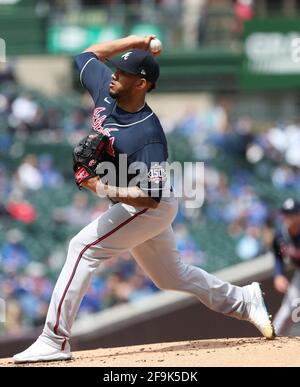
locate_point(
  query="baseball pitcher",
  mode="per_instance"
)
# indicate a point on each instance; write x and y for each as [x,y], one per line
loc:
[140,216]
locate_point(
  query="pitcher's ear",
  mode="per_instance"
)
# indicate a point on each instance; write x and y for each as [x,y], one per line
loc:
[142,84]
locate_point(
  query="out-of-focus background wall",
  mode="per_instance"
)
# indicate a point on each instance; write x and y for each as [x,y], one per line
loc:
[228,96]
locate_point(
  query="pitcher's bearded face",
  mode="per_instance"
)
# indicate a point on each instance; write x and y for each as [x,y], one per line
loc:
[123,84]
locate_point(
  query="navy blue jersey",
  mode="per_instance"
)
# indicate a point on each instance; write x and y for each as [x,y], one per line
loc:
[138,135]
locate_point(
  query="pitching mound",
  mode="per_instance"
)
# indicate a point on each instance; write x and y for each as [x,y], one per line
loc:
[222,352]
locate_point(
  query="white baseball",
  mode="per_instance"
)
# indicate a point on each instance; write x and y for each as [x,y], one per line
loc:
[155,46]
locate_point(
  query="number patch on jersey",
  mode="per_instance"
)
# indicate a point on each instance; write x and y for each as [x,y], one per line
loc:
[157,174]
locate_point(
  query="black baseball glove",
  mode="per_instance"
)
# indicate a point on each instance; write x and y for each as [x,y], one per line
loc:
[87,155]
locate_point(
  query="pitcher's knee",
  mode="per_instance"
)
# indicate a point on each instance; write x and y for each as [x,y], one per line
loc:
[92,251]
[177,279]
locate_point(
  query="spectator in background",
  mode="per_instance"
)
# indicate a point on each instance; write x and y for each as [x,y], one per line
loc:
[141,286]
[188,13]
[92,302]
[77,214]
[34,293]
[117,290]
[235,139]
[29,175]
[76,121]
[14,256]
[250,245]
[50,176]
[25,110]
[190,123]
[281,143]
[186,245]
[243,11]
[5,137]
[20,209]
[283,177]
[203,23]
[6,140]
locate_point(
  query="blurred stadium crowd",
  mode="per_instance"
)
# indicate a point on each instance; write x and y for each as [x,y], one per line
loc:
[41,209]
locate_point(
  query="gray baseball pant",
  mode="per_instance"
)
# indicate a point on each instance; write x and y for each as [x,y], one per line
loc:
[148,235]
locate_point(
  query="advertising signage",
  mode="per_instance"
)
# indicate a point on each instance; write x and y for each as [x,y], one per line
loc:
[73,39]
[271,57]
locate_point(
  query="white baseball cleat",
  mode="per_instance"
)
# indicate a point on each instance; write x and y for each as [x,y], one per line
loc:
[258,314]
[40,351]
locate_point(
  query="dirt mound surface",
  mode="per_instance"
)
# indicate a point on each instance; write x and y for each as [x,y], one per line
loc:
[221,352]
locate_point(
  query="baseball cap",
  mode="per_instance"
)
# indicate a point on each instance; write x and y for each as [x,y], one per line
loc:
[138,62]
[290,207]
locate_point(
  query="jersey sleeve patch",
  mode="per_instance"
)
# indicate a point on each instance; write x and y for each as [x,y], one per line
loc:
[157,174]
